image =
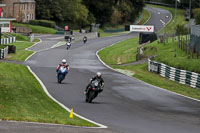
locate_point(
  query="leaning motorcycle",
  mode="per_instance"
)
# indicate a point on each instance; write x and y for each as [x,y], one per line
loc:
[68,45]
[61,74]
[93,91]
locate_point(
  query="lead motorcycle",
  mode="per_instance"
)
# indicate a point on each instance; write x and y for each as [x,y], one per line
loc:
[93,90]
[62,72]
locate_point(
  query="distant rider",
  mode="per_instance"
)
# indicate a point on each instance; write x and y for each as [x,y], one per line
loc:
[84,39]
[64,63]
[99,78]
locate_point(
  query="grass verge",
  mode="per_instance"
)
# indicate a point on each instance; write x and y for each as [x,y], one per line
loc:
[37,29]
[145,17]
[23,99]
[165,52]
[21,54]
[120,53]
[142,73]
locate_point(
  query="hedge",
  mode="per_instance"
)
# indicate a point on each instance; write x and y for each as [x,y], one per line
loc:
[45,23]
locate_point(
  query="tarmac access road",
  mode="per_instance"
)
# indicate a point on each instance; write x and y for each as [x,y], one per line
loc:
[126,104]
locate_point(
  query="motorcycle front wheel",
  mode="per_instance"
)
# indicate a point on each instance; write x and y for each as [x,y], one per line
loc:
[60,78]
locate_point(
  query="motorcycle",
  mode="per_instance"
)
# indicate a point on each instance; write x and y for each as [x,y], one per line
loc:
[68,45]
[62,72]
[93,90]
[84,40]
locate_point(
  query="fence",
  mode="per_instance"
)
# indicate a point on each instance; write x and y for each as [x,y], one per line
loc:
[181,76]
[3,52]
[8,40]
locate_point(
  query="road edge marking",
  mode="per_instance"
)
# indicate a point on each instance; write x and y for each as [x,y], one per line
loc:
[62,105]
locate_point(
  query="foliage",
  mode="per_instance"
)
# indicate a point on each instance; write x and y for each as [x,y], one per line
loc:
[46,23]
[181,29]
[196,13]
[62,10]
[114,11]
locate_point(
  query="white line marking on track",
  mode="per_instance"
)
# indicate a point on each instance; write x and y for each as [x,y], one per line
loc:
[62,105]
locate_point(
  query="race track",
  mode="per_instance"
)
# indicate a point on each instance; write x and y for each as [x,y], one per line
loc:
[126,104]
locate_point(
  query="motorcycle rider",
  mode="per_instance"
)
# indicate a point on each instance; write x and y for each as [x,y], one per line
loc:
[99,78]
[84,39]
[64,63]
[68,45]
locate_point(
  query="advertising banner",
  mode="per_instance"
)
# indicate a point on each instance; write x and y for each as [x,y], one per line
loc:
[141,28]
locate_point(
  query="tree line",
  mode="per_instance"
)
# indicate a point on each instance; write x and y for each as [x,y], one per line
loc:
[84,12]
[182,3]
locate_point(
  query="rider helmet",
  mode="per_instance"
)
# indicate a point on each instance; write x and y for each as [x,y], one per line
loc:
[64,61]
[98,74]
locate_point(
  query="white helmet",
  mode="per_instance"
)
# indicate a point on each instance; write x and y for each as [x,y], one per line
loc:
[98,74]
[64,61]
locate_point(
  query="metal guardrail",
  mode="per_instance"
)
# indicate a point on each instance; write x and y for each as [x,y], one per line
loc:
[181,76]
[3,52]
[8,40]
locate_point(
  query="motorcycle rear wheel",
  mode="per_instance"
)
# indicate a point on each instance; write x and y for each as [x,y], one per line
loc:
[91,96]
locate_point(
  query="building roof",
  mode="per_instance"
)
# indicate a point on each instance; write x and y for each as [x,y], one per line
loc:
[27,1]
[1,5]
[7,19]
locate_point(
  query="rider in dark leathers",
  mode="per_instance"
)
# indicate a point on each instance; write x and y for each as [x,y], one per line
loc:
[99,78]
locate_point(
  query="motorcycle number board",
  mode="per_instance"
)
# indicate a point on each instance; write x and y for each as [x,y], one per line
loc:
[141,28]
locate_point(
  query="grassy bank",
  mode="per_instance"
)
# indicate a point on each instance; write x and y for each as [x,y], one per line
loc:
[126,52]
[165,54]
[23,99]
[21,54]
[170,26]
[146,16]
[120,53]
[37,29]
[142,73]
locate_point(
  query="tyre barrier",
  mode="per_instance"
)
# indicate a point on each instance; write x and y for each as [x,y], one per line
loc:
[8,40]
[3,52]
[181,76]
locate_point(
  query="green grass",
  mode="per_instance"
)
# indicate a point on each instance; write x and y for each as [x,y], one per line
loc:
[23,99]
[21,54]
[37,29]
[180,18]
[20,37]
[141,72]
[123,52]
[145,17]
[165,54]
[2,46]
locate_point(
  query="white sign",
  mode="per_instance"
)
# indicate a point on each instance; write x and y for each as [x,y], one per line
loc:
[141,28]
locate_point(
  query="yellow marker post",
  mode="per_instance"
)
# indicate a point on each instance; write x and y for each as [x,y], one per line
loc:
[71,114]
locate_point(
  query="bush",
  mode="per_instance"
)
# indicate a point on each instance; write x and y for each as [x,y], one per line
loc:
[45,23]
[197,18]
[181,29]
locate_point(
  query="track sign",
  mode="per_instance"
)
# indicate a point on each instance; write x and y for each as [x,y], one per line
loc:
[141,28]
[66,28]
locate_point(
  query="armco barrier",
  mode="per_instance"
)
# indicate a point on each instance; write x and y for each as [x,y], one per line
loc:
[181,76]
[3,52]
[8,40]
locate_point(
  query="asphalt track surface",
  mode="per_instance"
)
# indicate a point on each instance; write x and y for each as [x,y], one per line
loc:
[126,104]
